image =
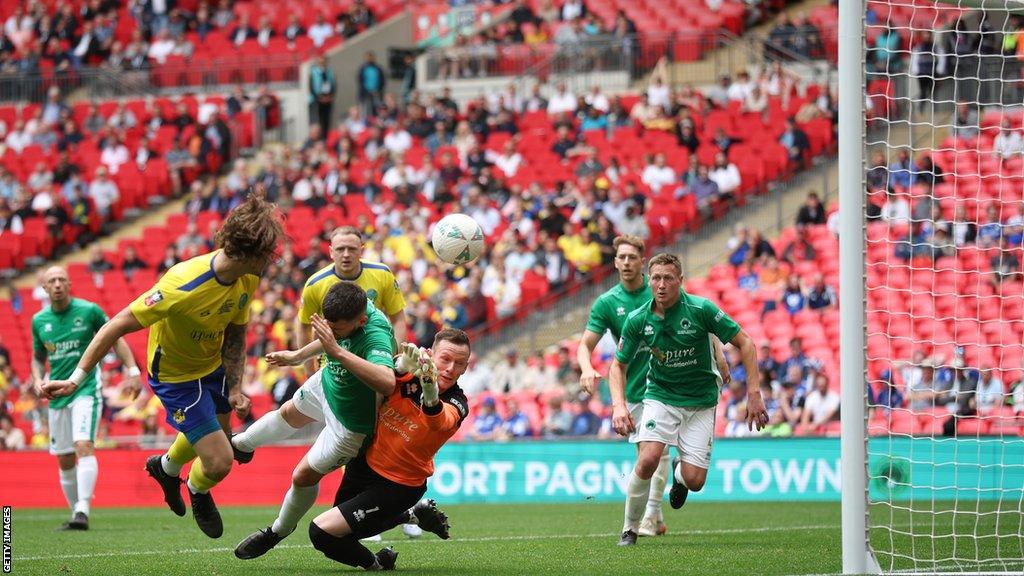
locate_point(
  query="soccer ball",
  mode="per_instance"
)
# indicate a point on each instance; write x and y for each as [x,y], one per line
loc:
[457,239]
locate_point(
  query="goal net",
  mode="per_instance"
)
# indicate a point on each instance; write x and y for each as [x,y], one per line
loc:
[943,293]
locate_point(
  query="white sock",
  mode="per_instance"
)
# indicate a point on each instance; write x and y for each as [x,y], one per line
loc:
[297,502]
[657,492]
[636,498]
[69,484]
[193,489]
[170,467]
[270,428]
[88,470]
[677,473]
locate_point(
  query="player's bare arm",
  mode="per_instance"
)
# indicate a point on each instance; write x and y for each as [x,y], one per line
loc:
[233,357]
[621,420]
[756,416]
[584,352]
[118,326]
[380,378]
[38,370]
[723,366]
[132,382]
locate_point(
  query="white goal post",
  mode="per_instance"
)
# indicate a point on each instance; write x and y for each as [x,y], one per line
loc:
[931,234]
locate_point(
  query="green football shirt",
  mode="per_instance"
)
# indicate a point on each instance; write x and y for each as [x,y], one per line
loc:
[351,401]
[683,371]
[609,313]
[64,336]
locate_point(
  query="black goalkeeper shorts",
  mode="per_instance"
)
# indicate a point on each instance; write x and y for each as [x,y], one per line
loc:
[371,503]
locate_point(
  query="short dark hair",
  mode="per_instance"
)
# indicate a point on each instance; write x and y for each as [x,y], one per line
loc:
[252,230]
[453,335]
[344,301]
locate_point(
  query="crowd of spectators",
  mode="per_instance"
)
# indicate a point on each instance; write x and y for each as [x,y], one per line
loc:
[83,158]
[131,35]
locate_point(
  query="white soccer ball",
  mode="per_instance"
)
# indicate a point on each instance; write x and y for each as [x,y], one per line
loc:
[457,239]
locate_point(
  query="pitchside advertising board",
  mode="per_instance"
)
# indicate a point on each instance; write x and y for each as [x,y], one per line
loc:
[741,469]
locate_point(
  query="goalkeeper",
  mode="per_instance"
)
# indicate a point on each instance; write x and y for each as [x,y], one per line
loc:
[382,488]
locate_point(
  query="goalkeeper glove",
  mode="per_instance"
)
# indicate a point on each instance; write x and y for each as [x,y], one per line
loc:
[427,373]
[408,358]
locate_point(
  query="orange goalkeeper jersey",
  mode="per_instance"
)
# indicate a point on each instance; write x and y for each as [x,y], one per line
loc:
[409,434]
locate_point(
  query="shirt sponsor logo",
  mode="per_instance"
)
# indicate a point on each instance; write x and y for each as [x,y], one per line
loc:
[383,353]
[153,298]
[200,335]
[719,316]
[226,307]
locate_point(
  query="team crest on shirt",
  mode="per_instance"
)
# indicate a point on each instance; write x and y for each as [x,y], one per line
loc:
[686,329]
[371,294]
[153,298]
[179,416]
[242,300]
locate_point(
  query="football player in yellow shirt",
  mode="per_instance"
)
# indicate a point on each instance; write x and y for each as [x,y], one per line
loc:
[197,314]
[373,277]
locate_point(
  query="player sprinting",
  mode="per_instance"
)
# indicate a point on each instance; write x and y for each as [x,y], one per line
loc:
[60,333]
[359,344]
[382,488]
[609,313]
[197,314]
[683,385]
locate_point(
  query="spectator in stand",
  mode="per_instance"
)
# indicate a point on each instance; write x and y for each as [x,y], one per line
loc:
[966,124]
[812,212]
[11,437]
[320,31]
[990,394]
[170,259]
[821,296]
[114,154]
[562,101]
[294,29]
[756,101]
[1008,143]
[726,175]
[923,391]
[896,210]
[104,193]
[705,192]
[991,230]
[740,89]
[687,138]
[585,423]
[800,248]
[820,408]
[902,170]
[1005,265]
[793,299]
[487,423]
[722,140]
[555,265]
[658,174]
[795,141]
[516,424]
[806,38]
[131,262]
[558,422]
[634,223]
[780,38]
[962,230]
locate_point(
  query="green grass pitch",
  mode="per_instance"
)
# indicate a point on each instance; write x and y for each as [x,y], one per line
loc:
[494,539]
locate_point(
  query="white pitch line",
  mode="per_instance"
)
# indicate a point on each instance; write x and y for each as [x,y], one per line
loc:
[428,541]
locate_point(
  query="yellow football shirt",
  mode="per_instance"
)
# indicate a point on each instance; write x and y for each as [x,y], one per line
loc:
[187,311]
[375,278]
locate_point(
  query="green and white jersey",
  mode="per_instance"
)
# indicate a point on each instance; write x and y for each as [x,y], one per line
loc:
[609,313]
[64,336]
[683,371]
[351,401]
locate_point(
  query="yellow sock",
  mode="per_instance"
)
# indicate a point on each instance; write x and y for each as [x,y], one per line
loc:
[181,451]
[198,480]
